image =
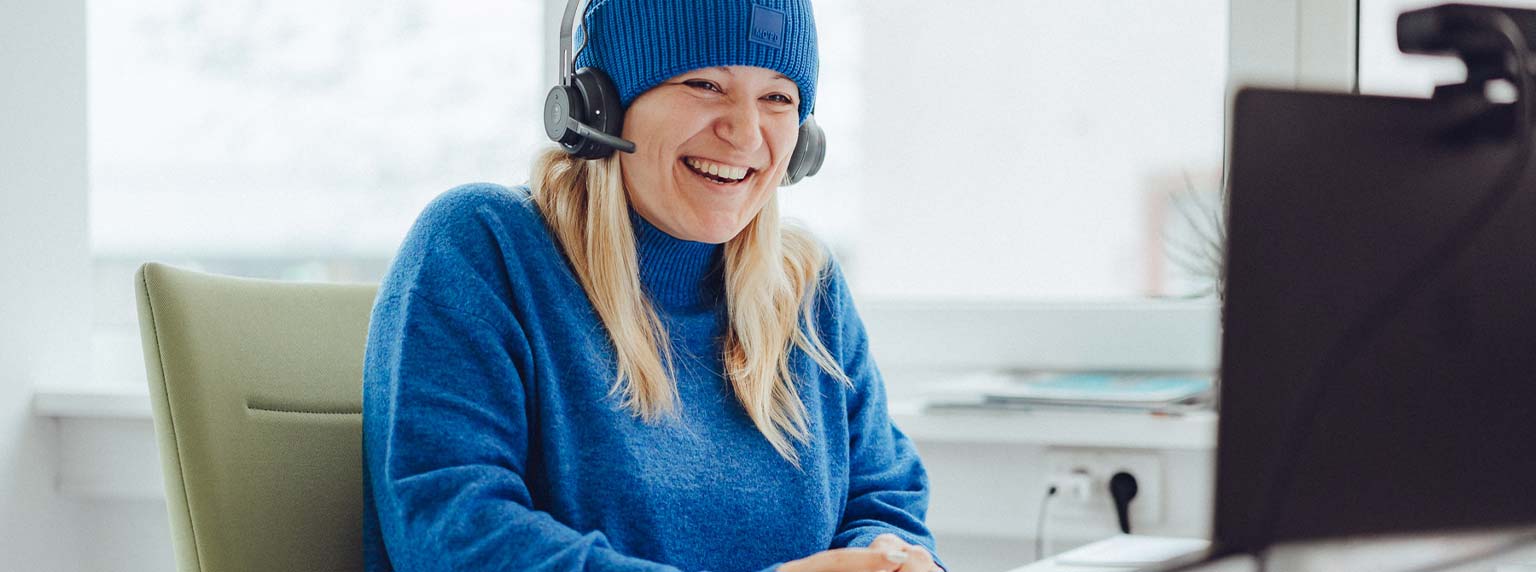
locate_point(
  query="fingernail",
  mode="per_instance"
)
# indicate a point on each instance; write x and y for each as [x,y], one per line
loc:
[896,556]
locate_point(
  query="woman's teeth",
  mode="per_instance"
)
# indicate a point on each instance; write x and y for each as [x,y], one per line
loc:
[716,171]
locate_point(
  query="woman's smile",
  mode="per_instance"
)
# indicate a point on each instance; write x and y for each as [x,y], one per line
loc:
[717,176]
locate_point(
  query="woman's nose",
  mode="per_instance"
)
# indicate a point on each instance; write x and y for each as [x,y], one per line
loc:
[742,126]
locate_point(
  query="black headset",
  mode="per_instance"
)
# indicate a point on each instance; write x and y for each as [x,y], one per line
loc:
[582,113]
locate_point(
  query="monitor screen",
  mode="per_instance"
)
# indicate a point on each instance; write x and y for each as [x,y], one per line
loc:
[1368,266]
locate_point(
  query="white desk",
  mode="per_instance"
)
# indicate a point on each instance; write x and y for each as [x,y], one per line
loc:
[1118,554]
[1397,553]
[1237,564]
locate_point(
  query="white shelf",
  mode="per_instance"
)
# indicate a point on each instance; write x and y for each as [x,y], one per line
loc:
[1190,431]
[1193,431]
[92,402]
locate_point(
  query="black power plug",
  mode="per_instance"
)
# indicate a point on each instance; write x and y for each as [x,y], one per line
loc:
[1122,487]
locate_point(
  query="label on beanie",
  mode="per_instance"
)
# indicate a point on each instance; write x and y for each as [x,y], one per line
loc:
[767,27]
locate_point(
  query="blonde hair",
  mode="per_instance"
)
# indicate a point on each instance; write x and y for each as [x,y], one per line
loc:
[771,275]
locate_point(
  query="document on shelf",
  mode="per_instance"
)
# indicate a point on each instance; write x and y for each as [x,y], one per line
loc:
[1093,391]
[1104,388]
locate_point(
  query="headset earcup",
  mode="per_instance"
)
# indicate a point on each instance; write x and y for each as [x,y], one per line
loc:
[560,108]
[810,152]
[599,103]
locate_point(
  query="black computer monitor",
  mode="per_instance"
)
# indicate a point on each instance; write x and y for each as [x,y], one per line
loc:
[1342,278]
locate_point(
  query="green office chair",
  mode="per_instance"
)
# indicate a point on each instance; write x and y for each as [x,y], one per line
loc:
[257,393]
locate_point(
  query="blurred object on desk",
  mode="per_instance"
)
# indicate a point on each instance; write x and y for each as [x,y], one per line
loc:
[1132,551]
[1158,393]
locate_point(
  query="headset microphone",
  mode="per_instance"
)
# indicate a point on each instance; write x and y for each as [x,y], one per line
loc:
[619,143]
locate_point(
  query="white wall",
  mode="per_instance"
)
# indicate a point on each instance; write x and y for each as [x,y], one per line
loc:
[43,268]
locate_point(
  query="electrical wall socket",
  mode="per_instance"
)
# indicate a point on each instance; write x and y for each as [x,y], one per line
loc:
[1099,509]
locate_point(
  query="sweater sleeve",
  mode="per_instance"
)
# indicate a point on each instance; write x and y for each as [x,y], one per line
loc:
[446,429]
[888,486]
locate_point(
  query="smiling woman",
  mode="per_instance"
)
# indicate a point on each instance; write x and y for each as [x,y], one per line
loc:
[631,364]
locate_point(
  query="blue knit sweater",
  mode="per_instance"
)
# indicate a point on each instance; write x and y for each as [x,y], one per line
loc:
[491,441]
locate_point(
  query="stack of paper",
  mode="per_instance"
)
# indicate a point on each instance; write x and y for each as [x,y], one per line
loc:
[1102,390]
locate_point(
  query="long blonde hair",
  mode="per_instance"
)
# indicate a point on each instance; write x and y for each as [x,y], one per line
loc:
[771,275]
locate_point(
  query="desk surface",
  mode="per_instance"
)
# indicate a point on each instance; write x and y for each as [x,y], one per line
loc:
[1472,551]
[1118,554]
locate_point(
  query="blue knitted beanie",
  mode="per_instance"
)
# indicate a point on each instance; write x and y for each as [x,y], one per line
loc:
[641,43]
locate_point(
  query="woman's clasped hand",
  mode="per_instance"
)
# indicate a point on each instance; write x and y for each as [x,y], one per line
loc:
[888,553]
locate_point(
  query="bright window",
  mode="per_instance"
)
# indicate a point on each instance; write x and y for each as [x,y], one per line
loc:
[1060,149]
[291,139]
[1046,149]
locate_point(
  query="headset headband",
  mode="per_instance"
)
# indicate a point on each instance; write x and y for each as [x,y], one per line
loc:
[567,25]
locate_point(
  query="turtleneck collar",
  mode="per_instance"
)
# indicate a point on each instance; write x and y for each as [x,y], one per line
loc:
[676,273]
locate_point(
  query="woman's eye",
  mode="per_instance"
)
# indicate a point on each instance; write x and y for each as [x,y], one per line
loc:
[699,83]
[781,98]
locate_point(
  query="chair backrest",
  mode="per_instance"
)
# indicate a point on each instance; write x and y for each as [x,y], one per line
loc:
[257,394]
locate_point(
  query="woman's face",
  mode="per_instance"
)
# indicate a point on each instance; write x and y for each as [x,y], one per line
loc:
[739,122]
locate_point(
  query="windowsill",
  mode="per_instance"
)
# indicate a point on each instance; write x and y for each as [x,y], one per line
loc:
[92,403]
[1190,431]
